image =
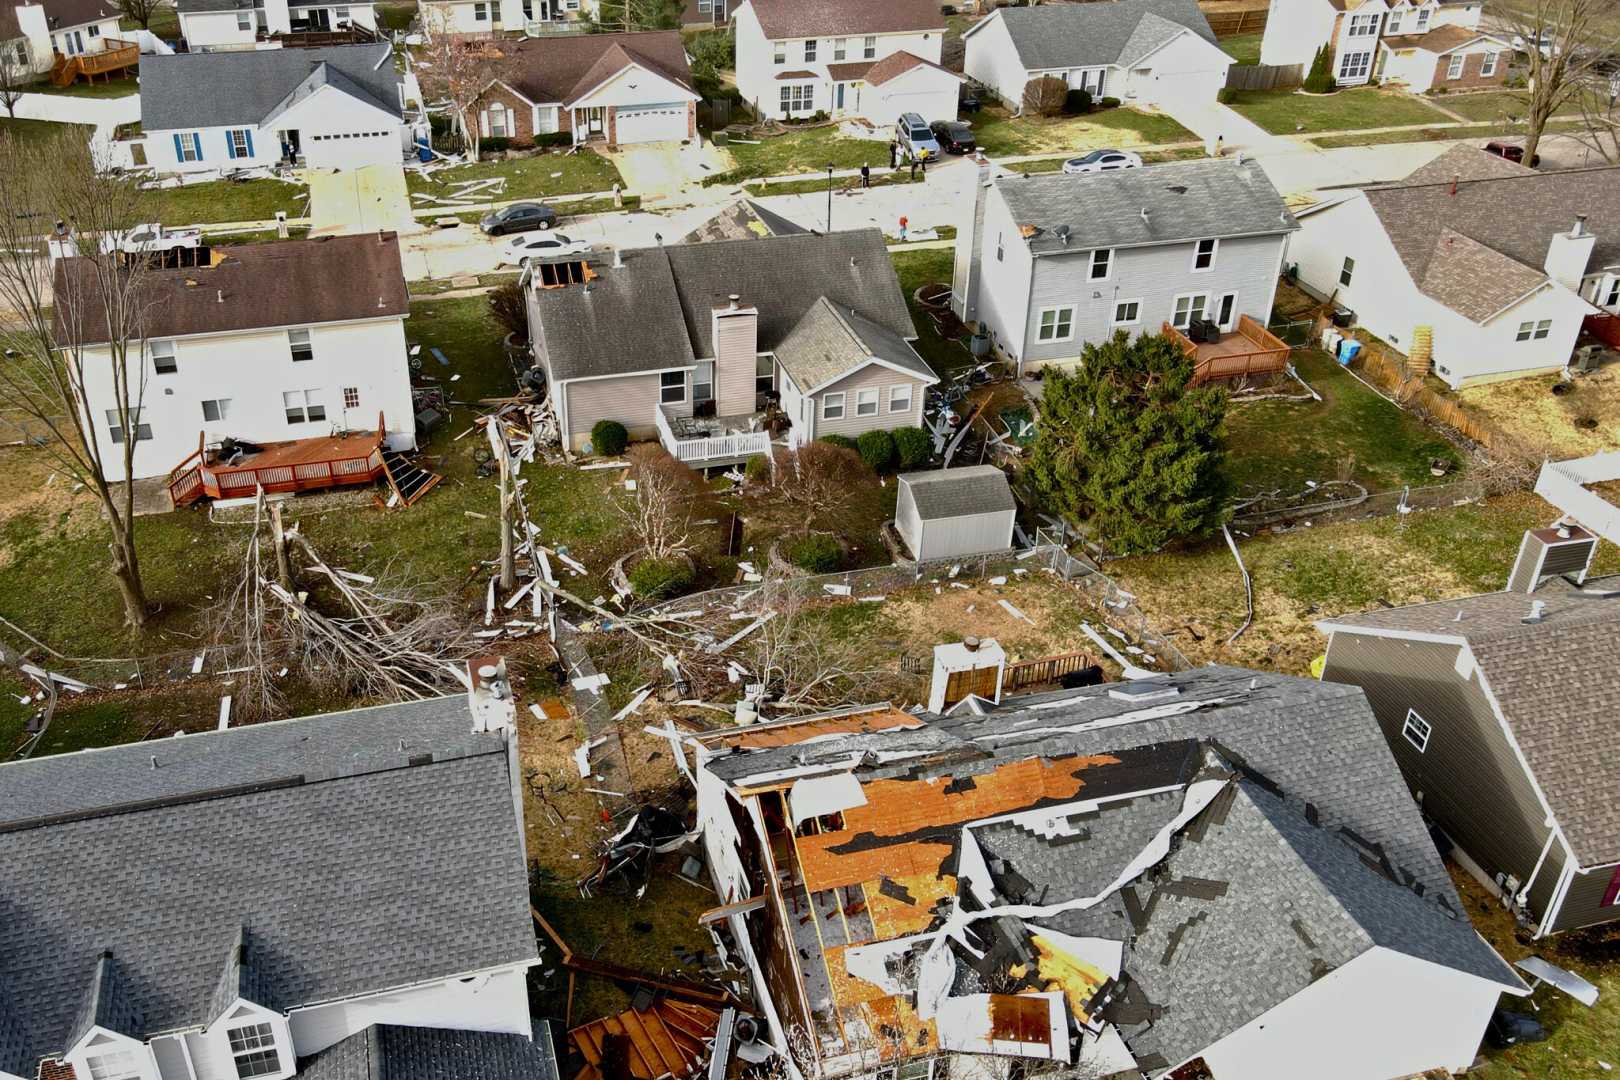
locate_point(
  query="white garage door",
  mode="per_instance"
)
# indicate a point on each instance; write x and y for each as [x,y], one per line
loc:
[650,123]
[931,105]
[351,149]
[1184,87]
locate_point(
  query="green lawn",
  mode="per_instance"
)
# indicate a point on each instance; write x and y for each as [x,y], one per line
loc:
[553,173]
[808,150]
[36,129]
[1354,434]
[165,23]
[109,88]
[919,268]
[396,16]
[1283,112]
[1000,134]
[1244,48]
[225,200]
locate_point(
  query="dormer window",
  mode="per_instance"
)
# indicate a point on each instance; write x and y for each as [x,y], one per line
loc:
[253,1049]
[113,1065]
[1423,18]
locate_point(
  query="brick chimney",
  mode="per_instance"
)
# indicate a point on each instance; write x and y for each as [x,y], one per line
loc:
[735,332]
[1569,253]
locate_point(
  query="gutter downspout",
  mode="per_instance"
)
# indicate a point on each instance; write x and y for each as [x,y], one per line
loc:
[1523,895]
[1557,900]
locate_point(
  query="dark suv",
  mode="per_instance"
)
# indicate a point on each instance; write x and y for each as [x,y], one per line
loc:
[953,136]
[519,217]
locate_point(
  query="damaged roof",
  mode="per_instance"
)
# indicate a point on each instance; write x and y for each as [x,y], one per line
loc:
[744,219]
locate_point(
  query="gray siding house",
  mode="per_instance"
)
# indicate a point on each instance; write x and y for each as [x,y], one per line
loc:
[697,344]
[1500,710]
[944,513]
[1055,262]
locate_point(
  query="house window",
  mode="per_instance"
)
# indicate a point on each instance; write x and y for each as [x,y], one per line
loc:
[244,20]
[142,431]
[188,146]
[1423,18]
[1613,299]
[302,348]
[240,142]
[302,407]
[94,31]
[1416,730]
[480,13]
[780,55]
[900,398]
[672,387]
[1102,264]
[1355,65]
[1364,25]
[1392,25]
[1204,255]
[341,14]
[832,406]
[840,47]
[1347,271]
[163,359]
[1057,324]
[1487,66]
[253,1048]
[1127,312]
[1188,308]
[703,382]
[869,48]
[798,98]
[216,409]
[495,119]
[810,51]
[351,397]
[1533,331]
[866,402]
[116,1065]
[764,375]
[1611,895]
[1454,69]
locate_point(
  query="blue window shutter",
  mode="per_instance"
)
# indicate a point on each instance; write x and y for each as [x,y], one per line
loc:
[179,151]
[230,146]
[249,133]
[196,142]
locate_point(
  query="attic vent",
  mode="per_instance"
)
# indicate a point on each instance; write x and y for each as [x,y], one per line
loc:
[1141,691]
[1538,610]
[1176,189]
[1062,233]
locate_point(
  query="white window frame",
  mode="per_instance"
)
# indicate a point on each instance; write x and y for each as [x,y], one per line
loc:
[1416,731]
[258,1038]
[1347,271]
[143,432]
[1364,24]
[840,48]
[798,97]
[1613,293]
[1199,253]
[1202,308]
[810,50]
[665,386]
[900,398]
[1230,321]
[764,375]
[481,12]
[1423,14]
[1392,22]
[126,1065]
[1136,315]
[1061,314]
[869,47]
[221,409]
[1349,62]
[341,14]
[779,54]
[1106,256]
[304,404]
[703,381]
[1533,330]
[1487,66]
[190,146]
[1454,66]
[238,138]
[300,340]
[161,351]
[244,20]
[866,401]
[351,397]
[832,405]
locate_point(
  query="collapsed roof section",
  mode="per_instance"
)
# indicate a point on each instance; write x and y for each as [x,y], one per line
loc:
[1121,875]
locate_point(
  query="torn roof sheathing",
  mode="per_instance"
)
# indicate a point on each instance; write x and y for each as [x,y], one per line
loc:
[794,732]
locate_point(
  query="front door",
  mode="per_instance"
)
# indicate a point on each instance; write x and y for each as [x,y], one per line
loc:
[1226,314]
[596,120]
[838,96]
[289,146]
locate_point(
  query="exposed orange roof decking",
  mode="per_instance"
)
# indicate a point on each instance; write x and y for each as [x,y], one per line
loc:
[893,918]
[855,723]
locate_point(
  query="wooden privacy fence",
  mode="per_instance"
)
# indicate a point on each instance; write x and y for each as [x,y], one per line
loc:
[1233,23]
[1265,76]
[1379,366]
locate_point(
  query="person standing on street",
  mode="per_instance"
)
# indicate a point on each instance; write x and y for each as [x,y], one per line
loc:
[866,175]
[893,154]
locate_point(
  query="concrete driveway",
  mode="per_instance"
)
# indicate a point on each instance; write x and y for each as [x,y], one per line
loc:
[662,170]
[359,200]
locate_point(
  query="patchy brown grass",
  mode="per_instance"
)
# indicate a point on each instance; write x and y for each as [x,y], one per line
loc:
[1554,424]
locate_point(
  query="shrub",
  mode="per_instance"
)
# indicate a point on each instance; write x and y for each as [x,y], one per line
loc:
[1045,96]
[609,437]
[509,309]
[1108,103]
[842,441]
[712,51]
[554,138]
[1226,95]
[758,469]
[1320,79]
[913,446]
[655,579]
[1077,102]
[494,144]
[876,449]
[817,553]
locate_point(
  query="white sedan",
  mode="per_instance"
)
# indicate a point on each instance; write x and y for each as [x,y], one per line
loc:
[524,247]
[1102,161]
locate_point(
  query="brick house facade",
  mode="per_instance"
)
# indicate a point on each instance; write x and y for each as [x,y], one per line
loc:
[1472,76]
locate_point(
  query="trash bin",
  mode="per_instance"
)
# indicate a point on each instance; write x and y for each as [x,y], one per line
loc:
[424,152]
[1348,348]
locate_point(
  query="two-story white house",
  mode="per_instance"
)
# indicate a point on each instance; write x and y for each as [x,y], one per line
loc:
[335,107]
[380,926]
[844,58]
[1500,262]
[474,18]
[241,24]
[33,35]
[1353,29]
[1055,262]
[268,343]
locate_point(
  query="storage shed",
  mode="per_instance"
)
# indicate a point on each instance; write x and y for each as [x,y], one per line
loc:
[947,513]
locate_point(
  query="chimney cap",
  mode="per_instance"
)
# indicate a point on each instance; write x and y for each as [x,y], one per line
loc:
[971,643]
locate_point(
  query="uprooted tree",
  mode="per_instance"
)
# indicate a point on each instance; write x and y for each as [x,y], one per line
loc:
[1568,46]
[454,72]
[74,341]
[1130,447]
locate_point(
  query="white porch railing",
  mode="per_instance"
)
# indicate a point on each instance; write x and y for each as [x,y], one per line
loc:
[703,448]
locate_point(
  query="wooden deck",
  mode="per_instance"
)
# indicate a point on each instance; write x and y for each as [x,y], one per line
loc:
[118,57]
[297,465]
[1251,349]
[670,1039]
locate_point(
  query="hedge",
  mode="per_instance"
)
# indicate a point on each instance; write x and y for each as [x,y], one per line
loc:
[913,446]
[817,553]
[608,437]
[843,441]
[876,449]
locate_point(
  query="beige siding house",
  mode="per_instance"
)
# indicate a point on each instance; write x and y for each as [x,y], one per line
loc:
[721,349]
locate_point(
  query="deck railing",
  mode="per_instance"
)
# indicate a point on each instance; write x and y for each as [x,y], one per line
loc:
[696,450]
[193,479]
[116,56]
[1265,354]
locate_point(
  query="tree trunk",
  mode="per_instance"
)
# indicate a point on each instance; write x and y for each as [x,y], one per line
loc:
[279,538]
[127,572]
[508,557]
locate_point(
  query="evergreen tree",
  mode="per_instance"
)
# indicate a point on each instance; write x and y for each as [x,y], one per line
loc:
[1320,78]
[1127,445]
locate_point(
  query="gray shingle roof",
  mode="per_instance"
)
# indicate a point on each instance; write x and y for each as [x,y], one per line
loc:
[1183,201]
[948,493]
[362,851]
[1465,162]
[193,6]
[655,311]
[388,1052]
[813,18]
[105,1003]
[196,90]
[1555,683]
[238,979]
[742,220]
[1094,35]
[1490,235]
[830,342]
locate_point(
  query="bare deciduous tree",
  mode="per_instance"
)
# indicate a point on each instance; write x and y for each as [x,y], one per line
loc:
[819,479]
[1567,45]
[1045,96]
[141,10]
[456,70]
[16,73]
[1600,116]
[82,326]
[669,496]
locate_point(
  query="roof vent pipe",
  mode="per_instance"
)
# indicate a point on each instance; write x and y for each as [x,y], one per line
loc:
[1580,226]
[1536,609]
[219,296]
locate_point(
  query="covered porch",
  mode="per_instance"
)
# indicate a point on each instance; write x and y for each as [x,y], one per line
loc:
[714,440]
[1249,349]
